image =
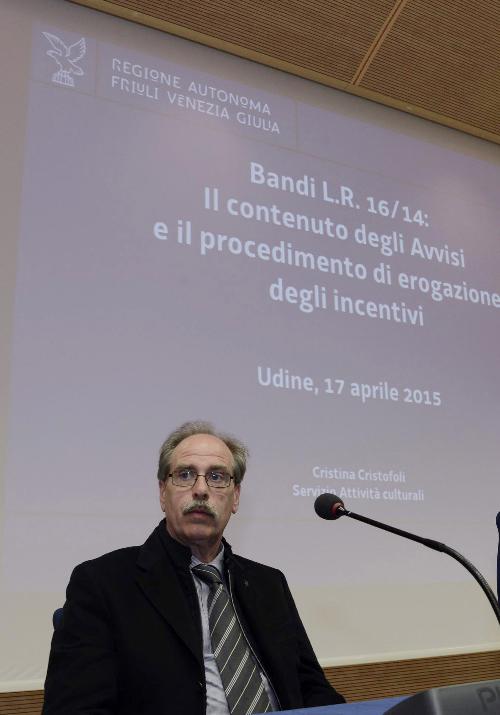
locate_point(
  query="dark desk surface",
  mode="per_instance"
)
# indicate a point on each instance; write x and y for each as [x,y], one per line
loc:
[366,707]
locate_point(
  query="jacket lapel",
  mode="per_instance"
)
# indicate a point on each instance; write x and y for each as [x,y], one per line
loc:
[254,609]
[160,579]
[266,622]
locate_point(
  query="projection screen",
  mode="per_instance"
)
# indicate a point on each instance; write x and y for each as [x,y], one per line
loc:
[191,235]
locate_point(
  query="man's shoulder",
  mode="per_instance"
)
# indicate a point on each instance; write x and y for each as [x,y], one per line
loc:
[123,554]
[250,566]
[125,558]
[116,560]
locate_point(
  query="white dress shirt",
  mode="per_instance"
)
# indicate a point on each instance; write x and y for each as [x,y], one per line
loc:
[216,698]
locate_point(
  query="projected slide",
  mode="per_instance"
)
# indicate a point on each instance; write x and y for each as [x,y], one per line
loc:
[195,244]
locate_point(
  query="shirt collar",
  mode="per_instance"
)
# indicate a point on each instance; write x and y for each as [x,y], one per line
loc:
[218,561]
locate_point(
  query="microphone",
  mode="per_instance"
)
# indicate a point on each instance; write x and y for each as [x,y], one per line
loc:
[331,507]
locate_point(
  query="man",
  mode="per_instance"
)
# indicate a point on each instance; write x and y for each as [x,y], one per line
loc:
[182,626]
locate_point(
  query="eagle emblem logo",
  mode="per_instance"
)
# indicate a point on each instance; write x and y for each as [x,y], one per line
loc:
[67,58]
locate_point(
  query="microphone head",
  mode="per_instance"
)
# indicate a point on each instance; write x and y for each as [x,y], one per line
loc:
[327,506]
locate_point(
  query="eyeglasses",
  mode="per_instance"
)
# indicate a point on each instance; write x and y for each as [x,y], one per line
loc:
[187,477]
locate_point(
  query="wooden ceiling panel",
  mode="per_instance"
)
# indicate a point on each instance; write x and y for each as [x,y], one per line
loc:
[445,58]
[435,58]
[327,37]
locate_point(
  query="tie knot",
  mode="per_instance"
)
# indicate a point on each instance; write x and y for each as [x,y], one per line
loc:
[208,574]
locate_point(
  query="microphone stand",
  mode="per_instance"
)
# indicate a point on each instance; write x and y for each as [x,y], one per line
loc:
[431,544]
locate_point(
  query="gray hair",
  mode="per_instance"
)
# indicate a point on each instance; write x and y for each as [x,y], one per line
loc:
[188,429]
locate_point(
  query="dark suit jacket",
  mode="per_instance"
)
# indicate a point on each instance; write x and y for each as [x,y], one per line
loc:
[130,640]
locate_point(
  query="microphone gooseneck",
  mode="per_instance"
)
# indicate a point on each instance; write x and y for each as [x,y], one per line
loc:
[331,507]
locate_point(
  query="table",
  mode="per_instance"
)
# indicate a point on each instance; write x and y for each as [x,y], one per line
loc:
[365,707]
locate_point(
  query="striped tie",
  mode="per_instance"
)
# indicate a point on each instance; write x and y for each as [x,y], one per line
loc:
[243,686]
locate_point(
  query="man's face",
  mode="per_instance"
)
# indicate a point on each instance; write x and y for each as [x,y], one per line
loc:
[197,516]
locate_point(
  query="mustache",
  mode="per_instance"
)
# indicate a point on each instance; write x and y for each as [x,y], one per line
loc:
[199,506]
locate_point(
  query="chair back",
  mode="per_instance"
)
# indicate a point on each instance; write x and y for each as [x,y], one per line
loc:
[57,617]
